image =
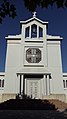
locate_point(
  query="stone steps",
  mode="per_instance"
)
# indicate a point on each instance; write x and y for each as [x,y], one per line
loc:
[58,104]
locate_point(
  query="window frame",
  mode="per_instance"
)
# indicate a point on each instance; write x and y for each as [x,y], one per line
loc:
[33,58]
[65,84]
[38,31]
[1,83]
[33,33]
[27,32]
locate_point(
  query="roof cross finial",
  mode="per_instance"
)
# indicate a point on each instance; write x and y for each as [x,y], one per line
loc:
[34,14]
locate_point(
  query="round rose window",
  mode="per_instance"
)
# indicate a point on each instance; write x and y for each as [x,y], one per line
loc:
[33,55]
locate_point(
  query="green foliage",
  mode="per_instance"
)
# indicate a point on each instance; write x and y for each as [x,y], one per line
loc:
[31,5]
[6,8]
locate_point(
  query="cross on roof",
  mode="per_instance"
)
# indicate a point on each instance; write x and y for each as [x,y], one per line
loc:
[34,14]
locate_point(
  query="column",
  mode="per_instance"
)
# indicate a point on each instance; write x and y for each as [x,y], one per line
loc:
[25,86]
[30,32]
[37,31]
[22,77]
[45,85]
[20,85]
[48,85]
[41,87]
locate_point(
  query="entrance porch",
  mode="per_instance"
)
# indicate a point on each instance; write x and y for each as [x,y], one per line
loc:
[34,85]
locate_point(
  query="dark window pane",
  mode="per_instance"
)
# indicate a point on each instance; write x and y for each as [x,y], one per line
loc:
[2,83]
[64,83]
[27,32]
[33,31]
[40,32]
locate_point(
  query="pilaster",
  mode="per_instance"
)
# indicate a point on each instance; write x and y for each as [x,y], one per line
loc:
[48,85]
[22,83]
[25,85]
[44,85]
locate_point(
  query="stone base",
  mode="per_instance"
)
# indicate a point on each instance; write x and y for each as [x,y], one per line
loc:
[5,97]
[61,97]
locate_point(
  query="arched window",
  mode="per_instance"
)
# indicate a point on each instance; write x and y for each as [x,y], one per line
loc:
[33,31]
[40,32]
[27,32]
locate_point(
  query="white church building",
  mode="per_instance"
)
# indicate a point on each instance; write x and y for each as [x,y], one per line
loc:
[33,64]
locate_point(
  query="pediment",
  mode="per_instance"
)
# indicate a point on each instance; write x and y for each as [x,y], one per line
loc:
[33,19]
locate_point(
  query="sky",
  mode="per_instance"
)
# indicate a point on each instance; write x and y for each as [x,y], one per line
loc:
[57,25]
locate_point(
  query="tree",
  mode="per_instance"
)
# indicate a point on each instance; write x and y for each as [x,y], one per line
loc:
[32,4]
[7,8]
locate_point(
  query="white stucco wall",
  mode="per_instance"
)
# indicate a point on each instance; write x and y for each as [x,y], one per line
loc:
[55,66]
[11,67]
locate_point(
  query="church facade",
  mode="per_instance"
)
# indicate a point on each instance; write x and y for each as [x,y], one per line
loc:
[33,64]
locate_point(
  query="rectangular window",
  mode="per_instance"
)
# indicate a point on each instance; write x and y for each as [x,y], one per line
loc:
[40,32]
[3,83]
[27,32]
[64,83]
[0,82]
[33,31]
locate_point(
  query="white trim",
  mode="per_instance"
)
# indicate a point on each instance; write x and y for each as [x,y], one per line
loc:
[13,41]
[2,73]
[13,37]
[31,19]
[34,70]
[54,42]
[54,37]
[64,74]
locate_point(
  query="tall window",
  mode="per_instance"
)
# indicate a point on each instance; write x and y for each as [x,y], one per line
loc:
[33,31]
[40,32]
[64,83]
[27,32]
[1,83]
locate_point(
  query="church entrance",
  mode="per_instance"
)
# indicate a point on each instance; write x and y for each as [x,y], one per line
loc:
[33,86]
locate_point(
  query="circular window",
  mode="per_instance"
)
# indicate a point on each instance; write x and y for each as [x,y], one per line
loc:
[33,55]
